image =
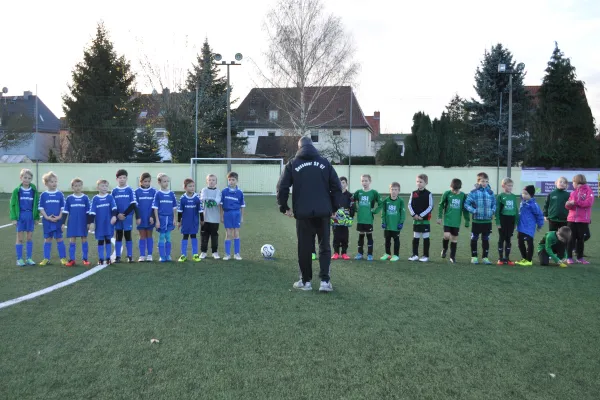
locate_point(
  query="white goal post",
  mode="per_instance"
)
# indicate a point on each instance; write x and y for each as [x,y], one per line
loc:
[257,176]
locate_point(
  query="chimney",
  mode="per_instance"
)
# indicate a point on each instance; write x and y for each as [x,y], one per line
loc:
[26,94]
[376,115]
[166,91]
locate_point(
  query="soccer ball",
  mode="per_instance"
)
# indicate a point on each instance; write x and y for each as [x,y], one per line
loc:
[267,251]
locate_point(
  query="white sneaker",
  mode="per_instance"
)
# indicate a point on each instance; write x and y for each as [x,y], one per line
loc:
[325,287]
[202,256]
[142,259]
[227,257]
[237,257]
[424,259]
[149,258]
[413,258]
[216,256]
[302,286]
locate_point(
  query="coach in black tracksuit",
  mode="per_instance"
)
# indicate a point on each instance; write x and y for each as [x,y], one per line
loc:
[315,196]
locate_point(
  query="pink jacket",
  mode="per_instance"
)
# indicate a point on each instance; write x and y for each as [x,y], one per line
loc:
[581,211]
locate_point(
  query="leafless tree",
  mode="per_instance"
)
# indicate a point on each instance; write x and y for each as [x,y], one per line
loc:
[335,148]
[311,55]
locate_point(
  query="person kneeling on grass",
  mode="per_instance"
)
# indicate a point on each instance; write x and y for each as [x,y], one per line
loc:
[554,243]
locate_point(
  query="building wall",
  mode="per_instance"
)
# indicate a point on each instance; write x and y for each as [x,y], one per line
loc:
[361,140]
[37,147]
[253,177]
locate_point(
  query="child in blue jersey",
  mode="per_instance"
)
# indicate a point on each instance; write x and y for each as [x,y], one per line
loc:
[144,196]
[51,205]
[102,218]
[232,215]
[189,219]
[24,214]
[165,212]
[77,209]
[126,206]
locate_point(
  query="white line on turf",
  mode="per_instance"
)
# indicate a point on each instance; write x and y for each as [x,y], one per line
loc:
[52,288]
[5,226]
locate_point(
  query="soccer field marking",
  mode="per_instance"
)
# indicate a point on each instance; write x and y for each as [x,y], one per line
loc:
[5,226]
[52,288]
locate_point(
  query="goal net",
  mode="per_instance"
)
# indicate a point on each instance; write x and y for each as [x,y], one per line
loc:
[257,176]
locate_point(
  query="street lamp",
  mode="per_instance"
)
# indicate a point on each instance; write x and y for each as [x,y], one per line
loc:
[503,70]
[218,58]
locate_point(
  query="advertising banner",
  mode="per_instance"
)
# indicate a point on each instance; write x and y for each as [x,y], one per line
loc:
[543,179]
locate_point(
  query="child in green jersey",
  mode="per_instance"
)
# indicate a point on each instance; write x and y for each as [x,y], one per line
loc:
[392,221]
[553,246]
[507,217]
[450,209]
[555,211]
[364,202]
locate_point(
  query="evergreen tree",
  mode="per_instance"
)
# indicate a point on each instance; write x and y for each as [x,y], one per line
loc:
[100,108]
[563,132]
[453,149]
[179,122]
[212,107]
[484,122]
[429,149]
[389,154]
[146,147]
[412,152]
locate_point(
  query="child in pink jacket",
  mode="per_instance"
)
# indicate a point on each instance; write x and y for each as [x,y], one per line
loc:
[580,210]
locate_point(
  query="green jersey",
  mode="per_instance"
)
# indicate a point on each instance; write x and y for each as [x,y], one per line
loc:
[507,204]
[452,206]
[365,201]
[551,244]
[392,213]
[554,207]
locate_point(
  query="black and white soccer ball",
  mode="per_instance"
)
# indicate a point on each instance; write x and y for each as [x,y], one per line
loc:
[267,251]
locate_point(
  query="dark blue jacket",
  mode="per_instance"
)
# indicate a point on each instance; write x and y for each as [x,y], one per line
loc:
[530,215]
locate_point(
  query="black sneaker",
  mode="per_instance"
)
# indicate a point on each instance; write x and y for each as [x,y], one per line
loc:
[452,260]
[444,253]
[117,260]
[129,259]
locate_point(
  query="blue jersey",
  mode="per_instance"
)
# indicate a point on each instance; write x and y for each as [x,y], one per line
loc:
[103,208]
[232,199]
[190,209]
[164,202]
[78,209]
[124,197]
[26,197]
[144,199]
[52,203]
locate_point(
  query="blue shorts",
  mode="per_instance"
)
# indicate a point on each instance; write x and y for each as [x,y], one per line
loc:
[232,219]
[25,222]
[145,223]
[53,233]
[125,225]
[166,223]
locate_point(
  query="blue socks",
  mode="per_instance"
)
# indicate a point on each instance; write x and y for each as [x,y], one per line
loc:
[29,249]
[47,250]
[72,248]
[161,247]
[62,250]
[236,245]
[84,250]
[184,244]
[101,251]
[19,250]
[194,246]
[108,249]
[228,247]
[168,249]
[129,247]
[150,245]
[142,246]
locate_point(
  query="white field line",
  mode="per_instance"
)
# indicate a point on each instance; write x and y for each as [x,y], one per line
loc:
[52,288]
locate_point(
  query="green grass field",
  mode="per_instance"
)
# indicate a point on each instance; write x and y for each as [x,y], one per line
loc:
[232,330]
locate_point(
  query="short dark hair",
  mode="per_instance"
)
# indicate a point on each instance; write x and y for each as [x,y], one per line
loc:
[122,172]
[187,181]
[233,175]
[456,184]
[343,178]
[482,175]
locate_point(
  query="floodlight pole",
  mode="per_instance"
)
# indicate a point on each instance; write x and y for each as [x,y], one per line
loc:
[502,70]
[196,148]
[218,58]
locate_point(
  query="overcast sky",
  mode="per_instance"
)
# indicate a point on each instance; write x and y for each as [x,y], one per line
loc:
[414,55]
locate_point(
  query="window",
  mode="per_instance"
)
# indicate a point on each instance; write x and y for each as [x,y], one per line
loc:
[54,141]
[314,136]
[337,133]
[252,112]
[273,114]
[250,133]
[143,114]
[271,133]
[159,134]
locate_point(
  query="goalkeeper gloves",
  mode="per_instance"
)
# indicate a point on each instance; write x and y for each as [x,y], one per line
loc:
[383,226]
[400,226]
